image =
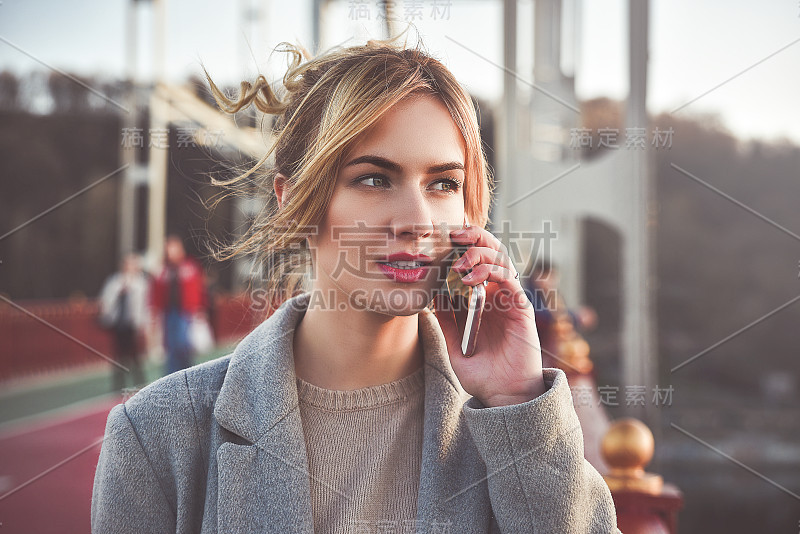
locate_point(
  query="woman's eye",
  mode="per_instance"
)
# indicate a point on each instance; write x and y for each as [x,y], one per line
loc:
[447,185]
[374,181]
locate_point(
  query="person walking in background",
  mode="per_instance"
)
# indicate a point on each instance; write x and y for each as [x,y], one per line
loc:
[123,311]
[179,296]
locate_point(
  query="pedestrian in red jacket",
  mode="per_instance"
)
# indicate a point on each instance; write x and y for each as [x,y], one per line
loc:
[179,295]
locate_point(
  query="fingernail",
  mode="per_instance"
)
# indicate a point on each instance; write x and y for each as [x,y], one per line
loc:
[468,276]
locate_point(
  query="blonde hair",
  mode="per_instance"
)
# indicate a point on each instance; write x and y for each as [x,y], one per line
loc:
[329,101]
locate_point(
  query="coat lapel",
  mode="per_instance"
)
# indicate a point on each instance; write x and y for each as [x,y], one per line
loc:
[453,494]
[263,485]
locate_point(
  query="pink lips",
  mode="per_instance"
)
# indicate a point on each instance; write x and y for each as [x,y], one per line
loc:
[406,276]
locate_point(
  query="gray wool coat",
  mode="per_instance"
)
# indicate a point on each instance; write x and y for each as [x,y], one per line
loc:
[219,448]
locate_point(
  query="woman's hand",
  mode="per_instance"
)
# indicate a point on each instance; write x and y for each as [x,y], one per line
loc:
[506,366]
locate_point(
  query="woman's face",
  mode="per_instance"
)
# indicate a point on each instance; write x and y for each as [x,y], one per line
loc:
[384,240]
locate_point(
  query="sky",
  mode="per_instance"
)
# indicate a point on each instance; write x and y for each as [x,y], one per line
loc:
[740,57]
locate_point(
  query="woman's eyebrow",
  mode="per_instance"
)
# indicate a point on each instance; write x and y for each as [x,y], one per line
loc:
[392,166]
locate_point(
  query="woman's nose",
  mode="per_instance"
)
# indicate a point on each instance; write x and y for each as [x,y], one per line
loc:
[412,217]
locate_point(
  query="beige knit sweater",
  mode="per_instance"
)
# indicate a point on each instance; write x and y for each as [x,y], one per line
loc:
[364,451]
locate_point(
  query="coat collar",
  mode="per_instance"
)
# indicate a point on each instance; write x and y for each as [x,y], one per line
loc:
[260,388]
[265,485]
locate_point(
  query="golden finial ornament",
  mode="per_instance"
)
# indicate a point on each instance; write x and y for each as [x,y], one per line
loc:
[627,448]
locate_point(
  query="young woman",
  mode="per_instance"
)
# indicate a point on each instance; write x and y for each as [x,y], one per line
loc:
[352,408]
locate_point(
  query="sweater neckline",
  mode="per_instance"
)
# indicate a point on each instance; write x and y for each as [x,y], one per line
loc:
[363,398]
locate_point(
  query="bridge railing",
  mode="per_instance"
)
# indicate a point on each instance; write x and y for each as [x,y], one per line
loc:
[43,337]
[619,449]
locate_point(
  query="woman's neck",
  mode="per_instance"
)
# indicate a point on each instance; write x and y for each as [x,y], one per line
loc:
[352,349]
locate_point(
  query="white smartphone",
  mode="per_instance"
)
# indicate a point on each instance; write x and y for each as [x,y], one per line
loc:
[467,302]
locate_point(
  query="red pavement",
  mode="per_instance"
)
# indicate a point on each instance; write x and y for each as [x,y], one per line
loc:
[59,501]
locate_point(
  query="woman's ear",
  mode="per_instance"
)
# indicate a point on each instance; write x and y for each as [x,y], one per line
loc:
[281,185]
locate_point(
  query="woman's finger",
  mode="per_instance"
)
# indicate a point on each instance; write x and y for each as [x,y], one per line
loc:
[508,294]
[478,237]
[483,255]
[486,272]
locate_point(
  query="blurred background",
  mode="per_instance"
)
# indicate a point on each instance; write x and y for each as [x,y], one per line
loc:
[647,157]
